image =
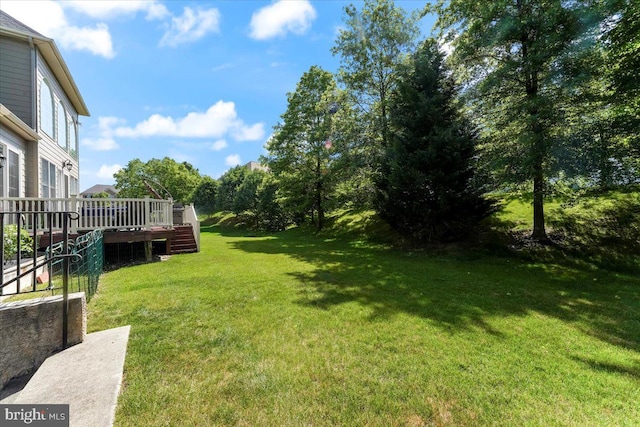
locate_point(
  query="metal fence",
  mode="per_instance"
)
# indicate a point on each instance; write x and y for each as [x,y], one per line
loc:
[85,266]
[72,265]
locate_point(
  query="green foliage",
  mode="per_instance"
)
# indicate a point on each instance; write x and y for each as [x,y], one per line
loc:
[204,198]
[101,195]
[426,189]
[228,188]
[373,47]
[271,214]
[298,154]
[166,177]
[510,55]
[10,239]
[246,202]
[604,227]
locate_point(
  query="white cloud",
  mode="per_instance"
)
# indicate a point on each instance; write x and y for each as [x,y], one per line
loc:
[50,21]
[220,119]
[191,26]
[222,67]
[106,9]
[103,141]
[248,133]
[107,172]
[232,160]
[219,145]
[281,17]
[100,144]
[95,40]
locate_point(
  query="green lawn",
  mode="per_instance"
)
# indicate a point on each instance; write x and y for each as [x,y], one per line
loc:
[290,329]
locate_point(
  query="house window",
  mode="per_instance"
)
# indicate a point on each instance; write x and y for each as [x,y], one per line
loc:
[73,140]
[13,162]
[74,185]
[48,171]
[3,152]
[62,126]
[46,108]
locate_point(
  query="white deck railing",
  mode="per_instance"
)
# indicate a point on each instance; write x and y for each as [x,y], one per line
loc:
[104,214]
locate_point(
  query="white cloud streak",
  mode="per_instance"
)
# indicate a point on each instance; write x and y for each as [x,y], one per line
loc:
[220,119]
[232,160]
[106,9]
[219,145]
[100,144]
[107,171]
[280,18]
[191,26]
[103,141]
[50,21]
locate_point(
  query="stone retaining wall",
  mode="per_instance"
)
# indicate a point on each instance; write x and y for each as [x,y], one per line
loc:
[31,331]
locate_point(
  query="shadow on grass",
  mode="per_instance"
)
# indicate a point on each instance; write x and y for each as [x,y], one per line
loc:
[606,235]
[456,292]
[611,367]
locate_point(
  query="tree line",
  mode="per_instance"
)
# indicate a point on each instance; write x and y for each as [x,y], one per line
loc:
[512,94]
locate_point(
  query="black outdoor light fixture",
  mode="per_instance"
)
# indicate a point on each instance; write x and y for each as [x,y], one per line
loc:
[67,165]
[3,159]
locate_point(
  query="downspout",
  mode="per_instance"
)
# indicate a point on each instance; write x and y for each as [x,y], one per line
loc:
[34,85]
[33,169]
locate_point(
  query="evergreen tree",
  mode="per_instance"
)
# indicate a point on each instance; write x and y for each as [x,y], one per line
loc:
[427,188]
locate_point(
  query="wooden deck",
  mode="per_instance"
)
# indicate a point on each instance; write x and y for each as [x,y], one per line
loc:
[121,220]
[92,214]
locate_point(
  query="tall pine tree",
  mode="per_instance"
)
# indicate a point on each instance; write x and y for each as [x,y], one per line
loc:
[427,188]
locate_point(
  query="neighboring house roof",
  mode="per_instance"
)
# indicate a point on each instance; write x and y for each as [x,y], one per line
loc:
[11,27]
[15,124]
[252,166]
[99,188]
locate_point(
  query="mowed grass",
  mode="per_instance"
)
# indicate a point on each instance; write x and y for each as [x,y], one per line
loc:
[290,329]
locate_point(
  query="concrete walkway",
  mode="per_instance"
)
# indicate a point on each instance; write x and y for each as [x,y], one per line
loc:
[86,376]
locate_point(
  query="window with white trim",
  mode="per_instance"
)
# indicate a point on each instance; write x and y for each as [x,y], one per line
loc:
[74,186]
[3,152]
[48,172]
[73,140]
[46,108]
[13,163]
[62,126]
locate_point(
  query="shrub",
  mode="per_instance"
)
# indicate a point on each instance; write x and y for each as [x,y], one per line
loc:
[11,241]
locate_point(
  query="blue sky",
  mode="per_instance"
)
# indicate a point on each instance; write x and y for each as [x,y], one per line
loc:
[197,81]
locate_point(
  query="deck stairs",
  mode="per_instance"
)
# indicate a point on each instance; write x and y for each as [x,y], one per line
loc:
[183,241]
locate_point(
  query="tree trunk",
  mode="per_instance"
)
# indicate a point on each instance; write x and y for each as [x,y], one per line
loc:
[539,232]
[319,195]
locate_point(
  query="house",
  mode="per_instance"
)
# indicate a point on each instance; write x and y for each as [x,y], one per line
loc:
[39,109]
[39,164]
[254,166]
[100,188]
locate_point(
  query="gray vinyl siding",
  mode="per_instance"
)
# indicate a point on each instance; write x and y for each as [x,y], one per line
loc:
[16,78]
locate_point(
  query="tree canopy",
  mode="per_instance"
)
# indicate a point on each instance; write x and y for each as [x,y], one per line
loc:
[166,176]
[427,189]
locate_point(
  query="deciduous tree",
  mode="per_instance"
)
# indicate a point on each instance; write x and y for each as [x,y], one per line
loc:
[509,54]
[300,153]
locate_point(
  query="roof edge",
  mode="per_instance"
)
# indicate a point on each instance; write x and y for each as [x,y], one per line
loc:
[58,66]
[14,123]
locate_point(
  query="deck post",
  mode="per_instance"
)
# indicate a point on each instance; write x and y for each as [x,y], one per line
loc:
[147,212]
[148,253]
[74,208]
